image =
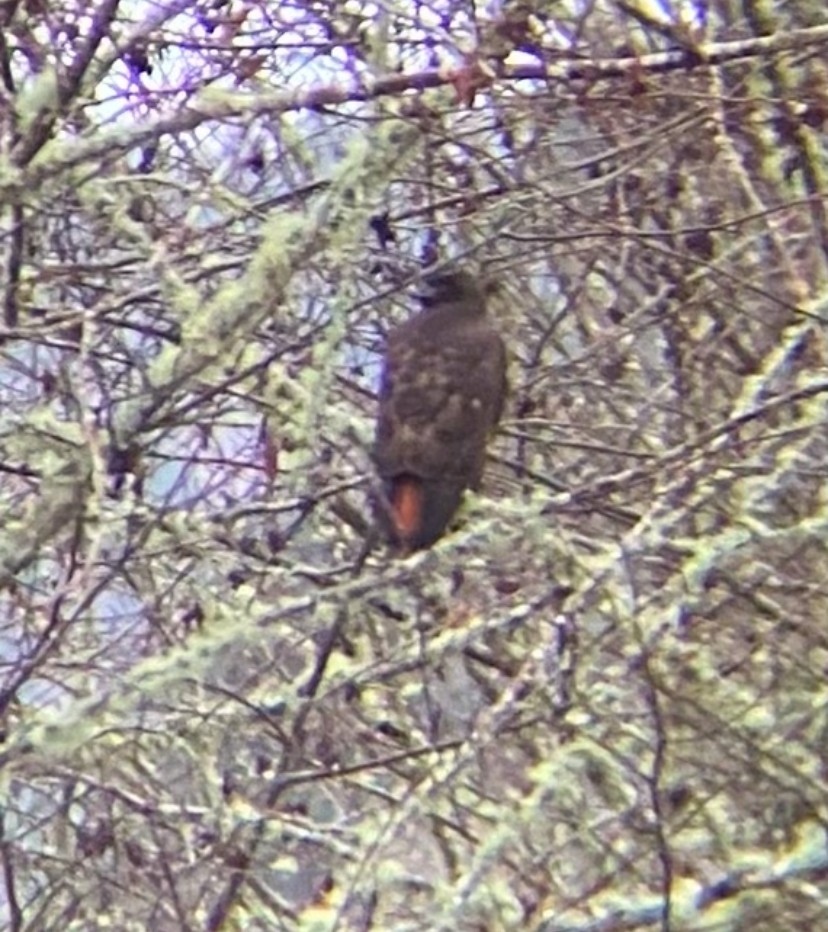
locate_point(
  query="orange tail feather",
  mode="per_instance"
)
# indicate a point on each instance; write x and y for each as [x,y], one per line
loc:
[418,510]
[407,509]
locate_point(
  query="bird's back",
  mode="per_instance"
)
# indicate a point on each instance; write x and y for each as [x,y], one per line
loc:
[441,395]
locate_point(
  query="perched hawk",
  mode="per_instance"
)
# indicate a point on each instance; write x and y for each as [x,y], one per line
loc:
[442,391]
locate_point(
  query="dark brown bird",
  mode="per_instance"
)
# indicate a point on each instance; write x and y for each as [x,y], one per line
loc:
[442,392]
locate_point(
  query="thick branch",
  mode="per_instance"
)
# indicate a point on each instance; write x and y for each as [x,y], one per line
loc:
[213,105]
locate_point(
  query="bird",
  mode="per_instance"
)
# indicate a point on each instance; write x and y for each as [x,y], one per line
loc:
[441,396]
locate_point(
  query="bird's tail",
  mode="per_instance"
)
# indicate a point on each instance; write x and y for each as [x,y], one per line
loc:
[417,510]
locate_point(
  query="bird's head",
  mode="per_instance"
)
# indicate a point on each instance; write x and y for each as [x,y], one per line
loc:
[453,287]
